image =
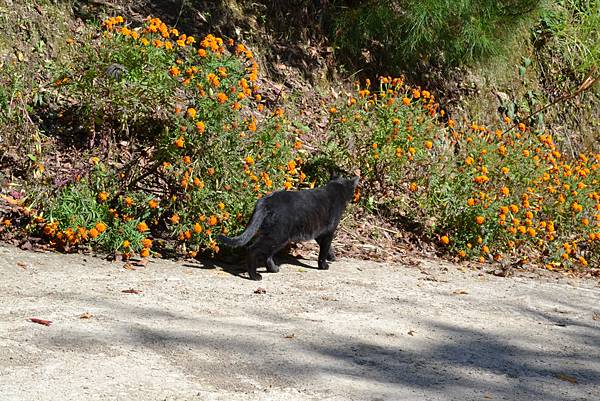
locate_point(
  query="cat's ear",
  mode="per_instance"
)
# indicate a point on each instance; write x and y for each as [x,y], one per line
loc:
[355,181]
[334,174]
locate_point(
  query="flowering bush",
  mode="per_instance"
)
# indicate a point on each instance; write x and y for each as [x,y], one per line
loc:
[217,147]
[482,192]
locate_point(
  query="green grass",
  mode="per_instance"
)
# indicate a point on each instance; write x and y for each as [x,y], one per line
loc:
[404,34]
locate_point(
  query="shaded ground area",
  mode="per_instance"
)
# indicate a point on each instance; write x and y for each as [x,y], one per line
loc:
[360,331]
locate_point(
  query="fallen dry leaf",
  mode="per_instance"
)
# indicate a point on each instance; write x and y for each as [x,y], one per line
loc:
[128,266]
[290,335]
[40,321]
[460,292]
[260,290]
[131,291]
[22,265]
[140,263]
[596,316]
[86,315]
[567,378]
[411,332]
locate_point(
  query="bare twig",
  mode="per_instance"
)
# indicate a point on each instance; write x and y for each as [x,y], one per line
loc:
[587,83]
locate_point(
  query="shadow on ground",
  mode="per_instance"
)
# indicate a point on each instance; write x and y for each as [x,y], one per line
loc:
[513,365]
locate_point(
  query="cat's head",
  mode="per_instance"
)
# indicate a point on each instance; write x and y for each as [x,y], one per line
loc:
[347,186]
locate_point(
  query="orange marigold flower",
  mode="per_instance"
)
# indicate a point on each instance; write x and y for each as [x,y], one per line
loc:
[145,252]
[174,71]
[221,97]
[179,142]
[199,183]
[405,101]
[479,220]
[200,127]
[471,202]
[174,219]
[126,244]
[444,239]
[101,227]
[212,220]
[147,243]
[197,228]
[191,112]
[413,186]
[142,227]
[481,179]
[153,203]
[93,233]
[102,196]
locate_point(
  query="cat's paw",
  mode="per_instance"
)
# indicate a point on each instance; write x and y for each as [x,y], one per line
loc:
[255,276]
[323,265]
[272,267]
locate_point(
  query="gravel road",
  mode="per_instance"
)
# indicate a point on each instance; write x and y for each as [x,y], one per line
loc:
[360,331]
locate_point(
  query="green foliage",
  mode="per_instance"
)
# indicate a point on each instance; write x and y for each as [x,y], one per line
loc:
[483,193]
[409,32]
[571,27]
[216,148]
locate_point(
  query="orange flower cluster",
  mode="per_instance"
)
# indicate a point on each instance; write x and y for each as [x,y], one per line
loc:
[510,193]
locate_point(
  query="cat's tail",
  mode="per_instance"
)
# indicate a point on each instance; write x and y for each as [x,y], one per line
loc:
[255,221]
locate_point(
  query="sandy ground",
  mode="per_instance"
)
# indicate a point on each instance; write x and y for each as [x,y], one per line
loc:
[360,331]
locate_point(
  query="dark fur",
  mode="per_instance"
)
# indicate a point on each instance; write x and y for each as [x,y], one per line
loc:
[292,216]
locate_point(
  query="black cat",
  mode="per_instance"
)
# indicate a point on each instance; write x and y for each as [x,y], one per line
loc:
[291,216]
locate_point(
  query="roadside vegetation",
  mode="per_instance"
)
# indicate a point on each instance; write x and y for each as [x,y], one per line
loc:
[136,138]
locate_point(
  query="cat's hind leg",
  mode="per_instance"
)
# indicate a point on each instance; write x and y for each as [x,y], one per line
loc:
[331,255]
[272,267]
[324,241]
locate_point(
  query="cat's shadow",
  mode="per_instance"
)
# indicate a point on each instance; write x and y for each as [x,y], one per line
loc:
[236,266]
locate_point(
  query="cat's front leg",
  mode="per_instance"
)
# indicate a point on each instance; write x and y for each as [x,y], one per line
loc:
[324,242]
[331,255]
